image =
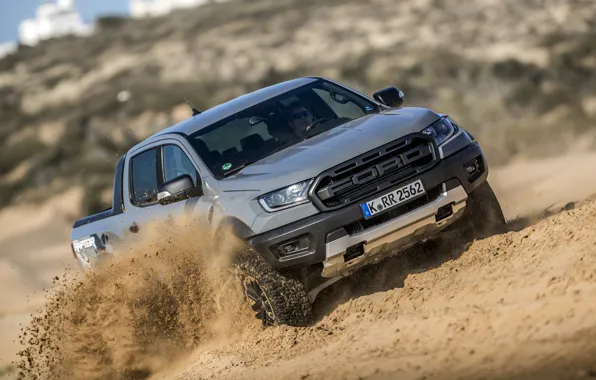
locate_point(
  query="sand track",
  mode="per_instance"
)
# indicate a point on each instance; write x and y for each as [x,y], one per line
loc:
[515,306]
[518,305]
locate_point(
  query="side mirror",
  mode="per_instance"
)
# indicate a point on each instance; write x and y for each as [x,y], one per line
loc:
[390,96]
[178,189]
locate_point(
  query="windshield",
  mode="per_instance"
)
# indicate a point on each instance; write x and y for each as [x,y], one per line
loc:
[275,124]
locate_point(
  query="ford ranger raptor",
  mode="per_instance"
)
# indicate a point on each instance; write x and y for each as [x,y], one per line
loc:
[317,180]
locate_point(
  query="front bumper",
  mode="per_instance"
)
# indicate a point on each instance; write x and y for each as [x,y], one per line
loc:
[401,232]
[333,236]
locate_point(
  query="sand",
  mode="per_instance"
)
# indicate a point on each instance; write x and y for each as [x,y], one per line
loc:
[518,305]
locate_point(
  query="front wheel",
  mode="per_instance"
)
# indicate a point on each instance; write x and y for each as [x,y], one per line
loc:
[275,298]
[482,217]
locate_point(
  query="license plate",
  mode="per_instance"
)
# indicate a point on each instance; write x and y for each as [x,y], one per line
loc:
[392,199]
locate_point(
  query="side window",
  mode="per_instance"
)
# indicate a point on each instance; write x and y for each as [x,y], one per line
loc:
[144,177]
[177,163]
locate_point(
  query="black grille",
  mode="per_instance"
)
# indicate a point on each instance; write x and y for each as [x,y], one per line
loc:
[394,212]
[373,171]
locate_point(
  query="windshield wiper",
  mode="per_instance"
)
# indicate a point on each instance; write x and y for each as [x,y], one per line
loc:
[237,169]
[316,124]
[281,147]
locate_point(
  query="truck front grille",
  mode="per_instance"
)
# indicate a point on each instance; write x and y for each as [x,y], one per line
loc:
[373,171]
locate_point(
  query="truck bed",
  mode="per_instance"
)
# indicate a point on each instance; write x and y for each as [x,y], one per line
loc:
[117,205]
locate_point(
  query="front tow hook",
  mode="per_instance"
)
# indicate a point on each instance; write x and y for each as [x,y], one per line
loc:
[444,212]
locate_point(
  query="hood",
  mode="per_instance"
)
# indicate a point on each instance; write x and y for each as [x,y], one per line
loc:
[309,158]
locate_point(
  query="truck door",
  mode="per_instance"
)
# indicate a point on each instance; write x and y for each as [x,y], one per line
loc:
[142,179]
[147,168]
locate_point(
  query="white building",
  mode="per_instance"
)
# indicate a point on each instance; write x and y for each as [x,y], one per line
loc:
[151,8]
[53,20]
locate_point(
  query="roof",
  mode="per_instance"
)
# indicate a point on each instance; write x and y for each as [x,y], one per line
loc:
[234,106]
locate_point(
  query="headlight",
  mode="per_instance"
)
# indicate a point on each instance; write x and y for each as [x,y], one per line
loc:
[440,131]
[290,196]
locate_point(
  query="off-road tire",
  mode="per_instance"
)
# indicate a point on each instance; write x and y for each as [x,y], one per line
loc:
[482,217]
[284,296]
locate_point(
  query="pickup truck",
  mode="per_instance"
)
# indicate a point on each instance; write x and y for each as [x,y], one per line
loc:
[316,178]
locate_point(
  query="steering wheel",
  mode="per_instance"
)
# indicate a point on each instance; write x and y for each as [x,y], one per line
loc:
[314,125]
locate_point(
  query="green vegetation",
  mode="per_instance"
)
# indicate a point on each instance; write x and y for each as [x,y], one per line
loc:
[515,106]
[13,155]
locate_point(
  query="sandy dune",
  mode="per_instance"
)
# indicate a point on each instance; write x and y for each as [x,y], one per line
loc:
[528,188]
[521,304]
[34,247]
[514,306]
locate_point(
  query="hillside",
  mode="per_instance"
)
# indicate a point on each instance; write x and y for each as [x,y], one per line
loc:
[516,74]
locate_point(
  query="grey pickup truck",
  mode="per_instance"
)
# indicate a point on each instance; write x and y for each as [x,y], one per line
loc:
[316,178]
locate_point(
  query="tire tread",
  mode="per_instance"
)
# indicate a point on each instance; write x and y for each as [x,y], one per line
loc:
[286,294]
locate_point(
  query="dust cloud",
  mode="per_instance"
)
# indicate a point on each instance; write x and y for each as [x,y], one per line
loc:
[162,295]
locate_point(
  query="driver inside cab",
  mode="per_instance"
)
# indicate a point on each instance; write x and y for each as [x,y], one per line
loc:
[300,119]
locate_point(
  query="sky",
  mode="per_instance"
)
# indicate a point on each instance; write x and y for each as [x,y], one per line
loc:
[13,11]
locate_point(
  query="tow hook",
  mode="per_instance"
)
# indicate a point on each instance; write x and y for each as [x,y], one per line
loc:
[444,212]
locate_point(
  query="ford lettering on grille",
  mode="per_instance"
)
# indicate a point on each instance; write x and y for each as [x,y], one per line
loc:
[373,171]
[365,176]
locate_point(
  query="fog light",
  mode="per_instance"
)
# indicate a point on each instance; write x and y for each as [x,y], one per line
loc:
[473,169]
[289,248]
[292,247]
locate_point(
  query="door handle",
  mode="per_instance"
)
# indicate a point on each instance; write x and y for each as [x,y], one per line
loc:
[134,227]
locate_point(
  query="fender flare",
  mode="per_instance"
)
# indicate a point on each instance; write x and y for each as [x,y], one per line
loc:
[237,227]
